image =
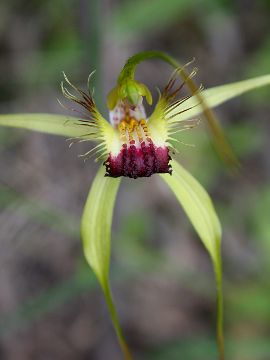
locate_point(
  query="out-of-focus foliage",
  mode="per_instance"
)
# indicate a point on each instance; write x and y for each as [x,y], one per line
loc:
[47,298]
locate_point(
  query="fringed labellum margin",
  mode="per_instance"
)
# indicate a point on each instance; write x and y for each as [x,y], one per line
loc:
[132,145]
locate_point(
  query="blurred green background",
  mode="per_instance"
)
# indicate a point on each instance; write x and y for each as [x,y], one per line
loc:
[50,303]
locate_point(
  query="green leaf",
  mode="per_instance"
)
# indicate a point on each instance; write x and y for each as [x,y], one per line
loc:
[218,95]
[96,237]
[46,123]
[200,210]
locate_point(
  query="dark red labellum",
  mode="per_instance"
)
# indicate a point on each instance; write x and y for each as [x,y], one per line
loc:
[143,161]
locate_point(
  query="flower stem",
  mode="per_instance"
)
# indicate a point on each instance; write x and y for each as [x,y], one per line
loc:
[115,320]
[220,334]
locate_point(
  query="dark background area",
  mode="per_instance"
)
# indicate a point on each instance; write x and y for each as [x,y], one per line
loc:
[50,303]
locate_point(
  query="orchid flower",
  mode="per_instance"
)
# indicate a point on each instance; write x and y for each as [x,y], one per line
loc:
[132,144]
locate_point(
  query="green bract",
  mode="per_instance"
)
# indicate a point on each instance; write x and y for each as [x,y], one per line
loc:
[98,211]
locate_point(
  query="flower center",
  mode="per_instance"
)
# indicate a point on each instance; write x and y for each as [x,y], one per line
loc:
[134,132]
[138,155]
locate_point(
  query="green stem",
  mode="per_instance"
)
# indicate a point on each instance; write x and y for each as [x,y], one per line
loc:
[223,147]
[218,274]
[115,321]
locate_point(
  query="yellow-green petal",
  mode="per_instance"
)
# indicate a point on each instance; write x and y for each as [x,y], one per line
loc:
[197,204]
[96,238]
[45,123]
[200,210]
[218,95]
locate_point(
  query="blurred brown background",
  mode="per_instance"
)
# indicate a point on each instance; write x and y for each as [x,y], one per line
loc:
[50,303]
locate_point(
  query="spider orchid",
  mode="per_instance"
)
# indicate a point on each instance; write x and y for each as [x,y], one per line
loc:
[134,145]
[131,145]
